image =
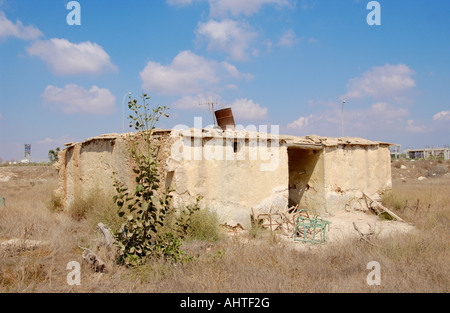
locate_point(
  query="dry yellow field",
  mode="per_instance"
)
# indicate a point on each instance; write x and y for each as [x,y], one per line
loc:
[255,263]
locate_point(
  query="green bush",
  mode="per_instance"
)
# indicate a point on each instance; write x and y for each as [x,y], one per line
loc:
[204,225]
[145,208]
[196,223]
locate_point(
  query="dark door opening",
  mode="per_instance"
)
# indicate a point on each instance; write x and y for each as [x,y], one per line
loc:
[302,163]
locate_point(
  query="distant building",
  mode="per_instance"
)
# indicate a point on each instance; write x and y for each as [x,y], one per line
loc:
[395,151]
[27,154]
[426,153]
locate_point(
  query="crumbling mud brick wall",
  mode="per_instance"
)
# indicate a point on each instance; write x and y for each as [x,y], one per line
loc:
[89,166]
[353,168]
[233,172]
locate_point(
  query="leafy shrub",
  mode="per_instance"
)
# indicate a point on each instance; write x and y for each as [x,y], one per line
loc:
[168,246]
[145,208]
[183,222]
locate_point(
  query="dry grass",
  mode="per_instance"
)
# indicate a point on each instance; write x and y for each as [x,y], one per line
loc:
[416,262]
[417,168]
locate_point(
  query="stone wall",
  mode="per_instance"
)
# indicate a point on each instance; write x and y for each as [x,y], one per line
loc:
[233,175]
[89,166]
[352,169]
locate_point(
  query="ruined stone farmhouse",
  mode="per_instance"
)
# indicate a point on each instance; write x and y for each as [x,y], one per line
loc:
[236,171]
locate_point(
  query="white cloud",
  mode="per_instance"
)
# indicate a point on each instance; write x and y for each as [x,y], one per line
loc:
[229,36]
[382,82]
[65,58]
[76,99]
[289,39]
[190,102]
[379,118]
[384,110]
[300,123]
[442,116]
[234,72]
[226,32]
[47,140]
[188,74]
[222,8]
[307,5]
[247,110]
[414,127]
[180,2]
[18,30]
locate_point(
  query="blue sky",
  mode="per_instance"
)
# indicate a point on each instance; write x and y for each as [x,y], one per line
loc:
[275,62]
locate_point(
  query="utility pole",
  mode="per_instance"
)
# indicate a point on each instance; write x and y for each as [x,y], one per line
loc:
[342,114]
[123,113]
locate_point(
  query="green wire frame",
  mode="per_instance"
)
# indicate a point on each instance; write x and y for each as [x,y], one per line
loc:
[311,230]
